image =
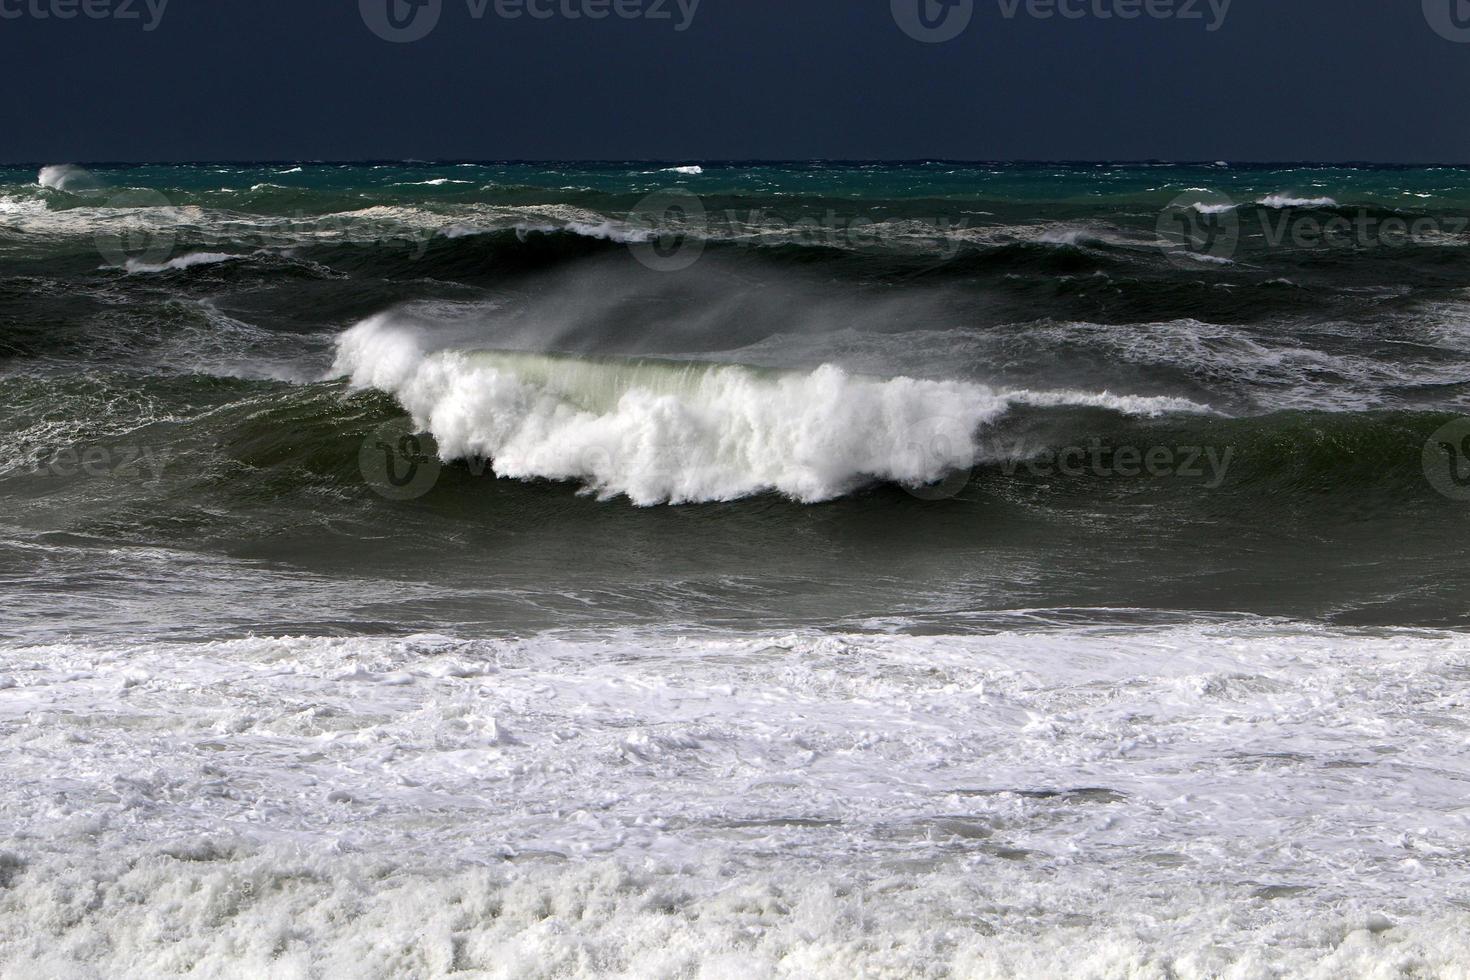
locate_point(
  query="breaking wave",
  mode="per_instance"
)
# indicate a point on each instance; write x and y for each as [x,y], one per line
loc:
[66,177]
[1281,201]
[662,431]
[182,262]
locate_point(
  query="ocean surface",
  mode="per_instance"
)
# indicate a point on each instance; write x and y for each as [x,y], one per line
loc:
[734,570]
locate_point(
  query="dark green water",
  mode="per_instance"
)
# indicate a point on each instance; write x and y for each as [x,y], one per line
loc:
[1243,407]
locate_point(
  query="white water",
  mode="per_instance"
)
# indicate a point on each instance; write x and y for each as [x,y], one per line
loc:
[1244,800]
[66,177]
[666,432]
[1281,201]
[182,262]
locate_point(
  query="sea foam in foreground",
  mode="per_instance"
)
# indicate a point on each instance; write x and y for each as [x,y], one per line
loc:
[1240,800]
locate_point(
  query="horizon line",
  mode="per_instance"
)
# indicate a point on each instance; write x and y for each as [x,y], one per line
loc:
[732,161]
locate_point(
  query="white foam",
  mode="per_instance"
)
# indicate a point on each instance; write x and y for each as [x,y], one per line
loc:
[1052,233]
[13,208]
[67,177]
[662,432]
[1143,406]
[1281,201]
[1067,236]
[1237,800]
[609,231]
[694,171]
[1273,370]
[605,230]
[182,262]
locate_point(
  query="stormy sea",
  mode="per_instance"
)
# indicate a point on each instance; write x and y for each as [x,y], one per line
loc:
[734,570]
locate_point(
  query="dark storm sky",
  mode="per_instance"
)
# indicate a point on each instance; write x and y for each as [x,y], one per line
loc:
[788,79]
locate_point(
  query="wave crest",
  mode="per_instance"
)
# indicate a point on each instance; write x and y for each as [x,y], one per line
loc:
[136,266]
[1283,201]
[66,177]
[661,431]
